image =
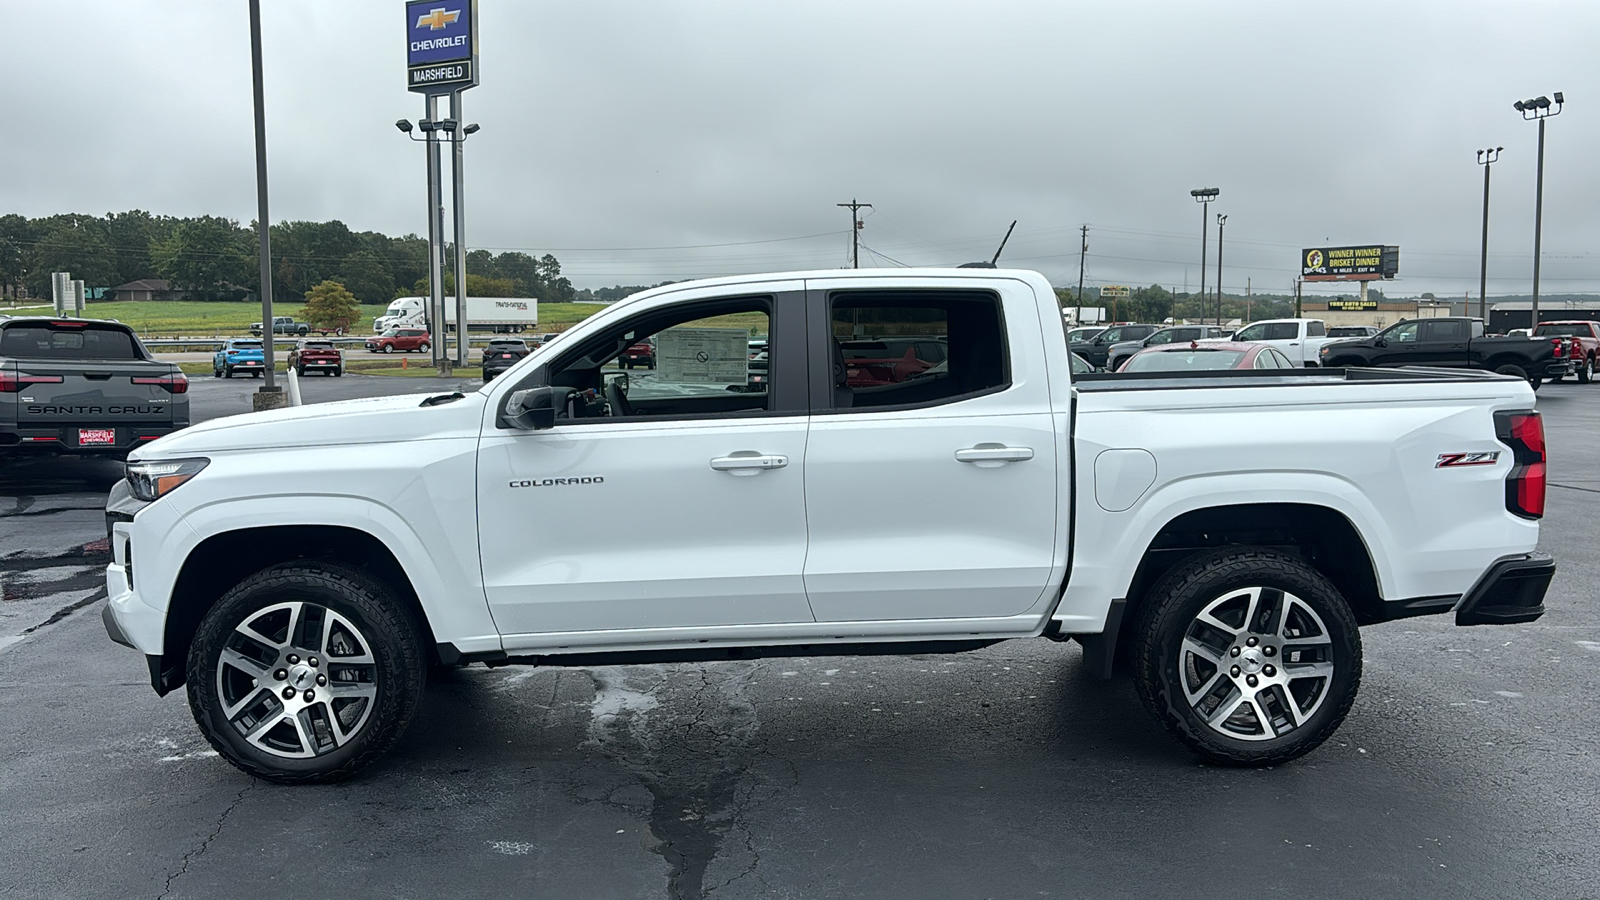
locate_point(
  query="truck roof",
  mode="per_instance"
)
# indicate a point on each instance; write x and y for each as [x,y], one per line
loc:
[944,275]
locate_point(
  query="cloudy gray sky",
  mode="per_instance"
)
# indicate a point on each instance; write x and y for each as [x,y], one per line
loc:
[641,141]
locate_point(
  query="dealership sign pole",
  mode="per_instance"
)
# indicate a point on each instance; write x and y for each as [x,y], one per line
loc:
[441,59]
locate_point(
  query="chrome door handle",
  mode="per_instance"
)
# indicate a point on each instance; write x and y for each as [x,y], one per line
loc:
[747,459]
[994,453]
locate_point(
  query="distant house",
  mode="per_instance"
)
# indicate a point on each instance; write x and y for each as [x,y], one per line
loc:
[143,289]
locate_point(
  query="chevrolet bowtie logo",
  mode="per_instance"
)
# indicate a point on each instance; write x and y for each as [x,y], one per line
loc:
[438,18]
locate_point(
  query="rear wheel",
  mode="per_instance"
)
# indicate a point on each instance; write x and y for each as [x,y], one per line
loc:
[300,370]
[1586,371]
[339,372]
[228,372]
[305,672]
[1516,371]
[1248,656]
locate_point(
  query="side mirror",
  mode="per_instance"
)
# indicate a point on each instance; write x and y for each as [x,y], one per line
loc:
[1379,342]
[534,409]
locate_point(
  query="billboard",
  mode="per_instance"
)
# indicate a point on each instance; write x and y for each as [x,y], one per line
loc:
[1114,290]
[1353,305]
[441,45]
[1367,262]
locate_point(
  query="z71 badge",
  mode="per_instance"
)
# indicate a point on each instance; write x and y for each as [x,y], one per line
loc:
[1452,460]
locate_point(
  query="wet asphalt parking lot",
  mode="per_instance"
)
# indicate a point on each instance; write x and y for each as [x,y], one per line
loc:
[1466,769]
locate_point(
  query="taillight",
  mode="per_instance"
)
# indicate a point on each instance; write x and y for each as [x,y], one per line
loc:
[1523,432]
[1560,345]
[11,382]
[175,383]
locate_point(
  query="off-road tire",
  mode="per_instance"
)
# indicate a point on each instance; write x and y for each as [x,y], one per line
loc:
[1194,585]
[399,667]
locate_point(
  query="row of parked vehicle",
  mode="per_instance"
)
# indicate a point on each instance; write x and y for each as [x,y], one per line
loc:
[1553,351]
[247,355]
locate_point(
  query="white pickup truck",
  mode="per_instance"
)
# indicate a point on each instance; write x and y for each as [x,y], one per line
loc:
[1299,339]
[1221,536]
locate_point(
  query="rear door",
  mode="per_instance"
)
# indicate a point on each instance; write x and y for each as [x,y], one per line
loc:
[934,497]
[1442,343]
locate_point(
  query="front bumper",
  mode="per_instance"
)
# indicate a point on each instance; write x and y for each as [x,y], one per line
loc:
[1511,591]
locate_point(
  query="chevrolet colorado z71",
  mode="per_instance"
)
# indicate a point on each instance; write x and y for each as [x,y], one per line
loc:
[1224,535]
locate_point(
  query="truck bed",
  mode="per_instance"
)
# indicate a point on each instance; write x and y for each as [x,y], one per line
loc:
[1245,378]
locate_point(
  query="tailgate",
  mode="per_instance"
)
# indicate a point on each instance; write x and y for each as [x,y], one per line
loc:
[93,392]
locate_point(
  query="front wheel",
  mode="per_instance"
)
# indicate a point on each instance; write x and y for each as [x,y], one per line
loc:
[1248,656]
[422,348]
[388,348]
[305,672]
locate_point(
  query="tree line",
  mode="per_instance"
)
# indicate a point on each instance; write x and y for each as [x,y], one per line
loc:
[215,258]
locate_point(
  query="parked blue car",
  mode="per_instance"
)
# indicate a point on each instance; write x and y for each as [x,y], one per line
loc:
[241,354]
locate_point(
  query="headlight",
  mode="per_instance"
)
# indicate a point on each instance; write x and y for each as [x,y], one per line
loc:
[154,479]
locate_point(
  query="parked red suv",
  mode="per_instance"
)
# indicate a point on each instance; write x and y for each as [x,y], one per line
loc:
[1586,333]
[316,356]
[640,354]
[400,339]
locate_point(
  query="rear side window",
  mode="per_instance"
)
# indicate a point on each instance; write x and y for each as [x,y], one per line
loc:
[1445,331]
[1316,329]
[39,341]
[905,348]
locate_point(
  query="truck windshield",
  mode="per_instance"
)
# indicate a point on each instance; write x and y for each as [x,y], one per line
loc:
[51,341]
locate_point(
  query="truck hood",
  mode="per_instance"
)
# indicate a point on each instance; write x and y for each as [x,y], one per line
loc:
[368,421]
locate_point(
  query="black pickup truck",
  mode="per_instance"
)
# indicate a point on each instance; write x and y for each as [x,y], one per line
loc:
[82,386]
[1454,343]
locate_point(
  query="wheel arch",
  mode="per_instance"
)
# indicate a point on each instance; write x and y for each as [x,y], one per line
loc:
[1326,538]
[222,560]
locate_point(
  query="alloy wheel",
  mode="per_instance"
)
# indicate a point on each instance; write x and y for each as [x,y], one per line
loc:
[297,680]
[1256,663]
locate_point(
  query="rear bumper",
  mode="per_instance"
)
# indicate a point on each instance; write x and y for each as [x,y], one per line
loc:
[1560,368]
[58,438]
[1511,591]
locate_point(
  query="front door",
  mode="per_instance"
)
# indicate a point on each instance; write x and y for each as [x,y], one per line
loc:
[670,498]
[931,495]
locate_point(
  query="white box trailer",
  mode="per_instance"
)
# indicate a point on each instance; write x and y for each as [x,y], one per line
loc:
[499,314]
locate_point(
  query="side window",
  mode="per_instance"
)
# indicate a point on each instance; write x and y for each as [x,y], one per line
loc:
[1402,334]
[1477,328]
[905,348]
[688,361]
[1281,331]
[1316,329]
[1445,331]
[1110,336]
[1163,337]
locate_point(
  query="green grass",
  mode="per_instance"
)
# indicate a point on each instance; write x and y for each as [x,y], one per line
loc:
[191,318]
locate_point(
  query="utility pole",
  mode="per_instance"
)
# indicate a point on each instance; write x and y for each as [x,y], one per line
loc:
[855,230]
[1081,255]
[1297,283]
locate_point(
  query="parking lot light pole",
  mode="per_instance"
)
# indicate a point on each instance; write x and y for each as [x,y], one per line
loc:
[269,394]
[1539,108]
[1204,196]
[1221,221]
[1487,159]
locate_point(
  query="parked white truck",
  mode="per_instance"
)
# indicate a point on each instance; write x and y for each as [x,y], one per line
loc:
[1299,339]
[1222,536]
[498,314]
